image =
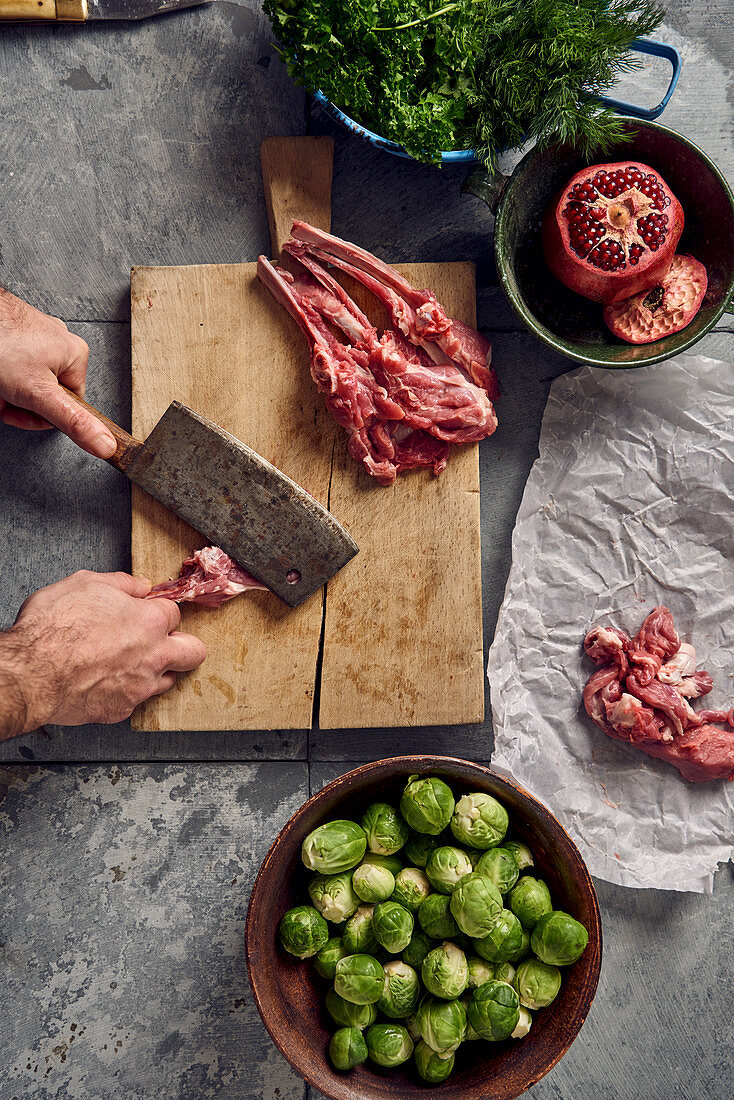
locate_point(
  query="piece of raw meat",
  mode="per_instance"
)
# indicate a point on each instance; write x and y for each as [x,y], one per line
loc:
[401,397]
[373,421]
[209,577]
[416,312]
[639,693]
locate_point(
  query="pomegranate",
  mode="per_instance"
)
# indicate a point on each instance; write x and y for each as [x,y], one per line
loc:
[612,231]
[663,309]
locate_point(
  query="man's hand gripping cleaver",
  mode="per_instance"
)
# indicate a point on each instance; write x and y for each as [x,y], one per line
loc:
[270,526]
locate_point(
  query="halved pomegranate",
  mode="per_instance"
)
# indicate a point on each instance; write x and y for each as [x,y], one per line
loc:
[612,231]
[663,309]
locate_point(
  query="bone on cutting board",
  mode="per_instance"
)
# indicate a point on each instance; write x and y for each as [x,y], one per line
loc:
[402,624]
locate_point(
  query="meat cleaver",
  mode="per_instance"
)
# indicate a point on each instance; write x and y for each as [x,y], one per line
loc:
[270,526]
[81,11]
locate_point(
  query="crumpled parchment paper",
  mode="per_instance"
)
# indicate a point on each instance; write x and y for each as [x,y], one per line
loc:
[630,504]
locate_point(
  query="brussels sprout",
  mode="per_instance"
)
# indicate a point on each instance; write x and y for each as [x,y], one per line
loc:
[334,847]
[475,854]
[523,1024]
[385,829]
[346,1014]
[503,942]
[435,917]
[411,888]
[303,931]
[359,979]
[479,821]
[431,1066]
[504,972]
[494,1010]
[475,905]
[427,804]
[392,863]
[388,1044]
[416,951]
[470,1036]
[446,867]
[530,900]
[478,972]
[411,1025]
[347,1048]
[445,971]
[401,991]
[558,939]
[442,1024]
[357,937]
[333,896]
[392,926]
[329,956]
[525,948]
[419,848]
[521,852]
[537,983]
[372,882]
[500,867]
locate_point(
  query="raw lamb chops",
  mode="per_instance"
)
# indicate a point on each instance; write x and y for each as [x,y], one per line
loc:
[208,577]
[402,397]
[640,693]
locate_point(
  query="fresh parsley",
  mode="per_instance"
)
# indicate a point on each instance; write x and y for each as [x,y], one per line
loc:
[484,74]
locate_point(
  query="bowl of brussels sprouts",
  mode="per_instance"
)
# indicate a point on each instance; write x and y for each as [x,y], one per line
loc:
[423,922]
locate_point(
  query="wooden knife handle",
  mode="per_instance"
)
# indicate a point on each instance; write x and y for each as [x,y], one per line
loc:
[297,174]
[46,11]
[127,446]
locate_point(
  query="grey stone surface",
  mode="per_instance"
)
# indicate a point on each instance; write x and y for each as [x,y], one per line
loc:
[132,144]
[124,897]
[135,143]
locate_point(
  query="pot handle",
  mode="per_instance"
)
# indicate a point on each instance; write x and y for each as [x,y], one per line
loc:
[487,186]
[656,49]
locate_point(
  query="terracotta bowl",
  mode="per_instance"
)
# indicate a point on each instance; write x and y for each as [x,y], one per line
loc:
[290,995]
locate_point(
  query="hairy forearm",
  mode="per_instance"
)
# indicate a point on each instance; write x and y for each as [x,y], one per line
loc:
[21,684]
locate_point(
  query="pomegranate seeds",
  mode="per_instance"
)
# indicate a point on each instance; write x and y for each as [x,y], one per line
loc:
[612,231]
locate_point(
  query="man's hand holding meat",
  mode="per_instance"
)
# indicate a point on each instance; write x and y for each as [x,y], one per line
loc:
[88,648]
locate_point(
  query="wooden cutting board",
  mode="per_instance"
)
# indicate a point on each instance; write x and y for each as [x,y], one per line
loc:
[396,638]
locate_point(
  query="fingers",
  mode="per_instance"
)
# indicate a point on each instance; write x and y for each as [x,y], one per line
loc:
[165,683]
[184,652]
[168,610]
[133,586]
[81,426]
[20,418]
[74,376]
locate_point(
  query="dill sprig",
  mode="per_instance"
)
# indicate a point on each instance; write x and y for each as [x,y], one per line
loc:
[451,74]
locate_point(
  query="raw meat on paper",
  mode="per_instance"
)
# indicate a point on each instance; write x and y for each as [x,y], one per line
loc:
[209,577]
[640,693]
[402,397]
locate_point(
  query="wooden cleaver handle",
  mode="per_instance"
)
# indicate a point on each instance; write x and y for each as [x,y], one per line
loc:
[296,175]
[48,11]
[127,446]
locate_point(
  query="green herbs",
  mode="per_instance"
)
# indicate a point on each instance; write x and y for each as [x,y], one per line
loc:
[484,74]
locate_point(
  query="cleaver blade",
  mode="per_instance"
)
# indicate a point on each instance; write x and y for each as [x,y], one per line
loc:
[236,499]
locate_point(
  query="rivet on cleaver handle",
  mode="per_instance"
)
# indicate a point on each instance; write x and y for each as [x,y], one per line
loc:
[237,500]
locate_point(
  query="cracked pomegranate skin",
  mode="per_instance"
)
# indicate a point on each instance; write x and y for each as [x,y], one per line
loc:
[612,231]
[663,310]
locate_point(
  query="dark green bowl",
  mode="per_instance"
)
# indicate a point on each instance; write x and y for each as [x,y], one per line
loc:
[564,320]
